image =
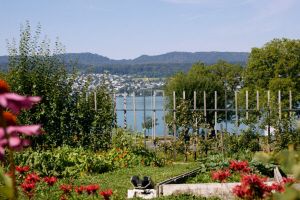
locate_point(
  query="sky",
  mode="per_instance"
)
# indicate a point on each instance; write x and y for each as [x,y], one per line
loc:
[125,29]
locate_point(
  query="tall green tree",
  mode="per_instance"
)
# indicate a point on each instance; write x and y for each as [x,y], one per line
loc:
[219,77]
[275,66]
[67,116]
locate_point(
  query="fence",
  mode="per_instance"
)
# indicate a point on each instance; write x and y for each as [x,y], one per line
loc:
[237,109]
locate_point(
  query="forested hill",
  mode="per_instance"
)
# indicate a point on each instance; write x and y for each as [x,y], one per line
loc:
[158,65]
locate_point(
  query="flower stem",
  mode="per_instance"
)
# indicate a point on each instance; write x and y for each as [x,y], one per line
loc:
[13,174]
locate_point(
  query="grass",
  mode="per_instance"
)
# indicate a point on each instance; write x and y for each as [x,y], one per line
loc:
[118,181]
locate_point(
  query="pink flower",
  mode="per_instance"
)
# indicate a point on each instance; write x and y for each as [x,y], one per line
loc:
[12,138]
[14,101]
[9,131]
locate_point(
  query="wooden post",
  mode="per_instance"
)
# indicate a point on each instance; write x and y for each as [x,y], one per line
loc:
[204,110]
[236,111]
[222,141]
[290,103]
[154,116]
[183,95]
[257,100]
[247,114]
[134,111]
[257,108]
[95,100]
[144,97]
[196,126]
[125,111]
[269,112]
[195,99]
[115,110]
[174,123]
[290,109]
[165,125]
[279,104]
[216,107]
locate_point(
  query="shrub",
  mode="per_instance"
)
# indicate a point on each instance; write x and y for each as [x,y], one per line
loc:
[71,162]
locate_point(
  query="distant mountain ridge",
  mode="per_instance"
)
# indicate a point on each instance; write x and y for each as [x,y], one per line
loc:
[156,65]
[171,57]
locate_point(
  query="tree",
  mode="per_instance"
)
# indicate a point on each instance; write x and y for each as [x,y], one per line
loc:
[67,117]
[219,77]
[148,123]
[275,66]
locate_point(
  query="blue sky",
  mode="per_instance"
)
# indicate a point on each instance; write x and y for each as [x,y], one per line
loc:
[130,28]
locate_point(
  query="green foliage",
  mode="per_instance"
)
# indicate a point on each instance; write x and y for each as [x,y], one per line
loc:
[73,162]
[219,77]
[148,123]
[6,186]
[289,161]
[249,140]
[122,139]
[275,66]
[64,161]
[65,115]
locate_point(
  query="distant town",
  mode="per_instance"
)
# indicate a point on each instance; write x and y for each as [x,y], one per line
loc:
[120,84]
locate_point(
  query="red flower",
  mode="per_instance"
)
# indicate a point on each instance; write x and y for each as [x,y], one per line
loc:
[240,191]
[79,189]
[50,180]
[27,187]
[23,169]
[277,187]
[66,188]
[92,189]
[220,175]
[4,87]
[253,187]
[63,197]
[287,180]
[32,178]
[242,166]
[106,194]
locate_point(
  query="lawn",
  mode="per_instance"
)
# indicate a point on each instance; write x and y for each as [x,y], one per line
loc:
[119,180]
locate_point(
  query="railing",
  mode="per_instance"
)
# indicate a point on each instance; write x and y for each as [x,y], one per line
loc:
[237,109]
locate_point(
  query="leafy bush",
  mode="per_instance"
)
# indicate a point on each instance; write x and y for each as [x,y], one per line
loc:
[68,116]
[69,162]
[63,161]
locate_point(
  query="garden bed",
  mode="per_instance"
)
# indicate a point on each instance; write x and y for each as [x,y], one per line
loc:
[252,184]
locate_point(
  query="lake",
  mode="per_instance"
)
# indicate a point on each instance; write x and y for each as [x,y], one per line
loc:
[159,104]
